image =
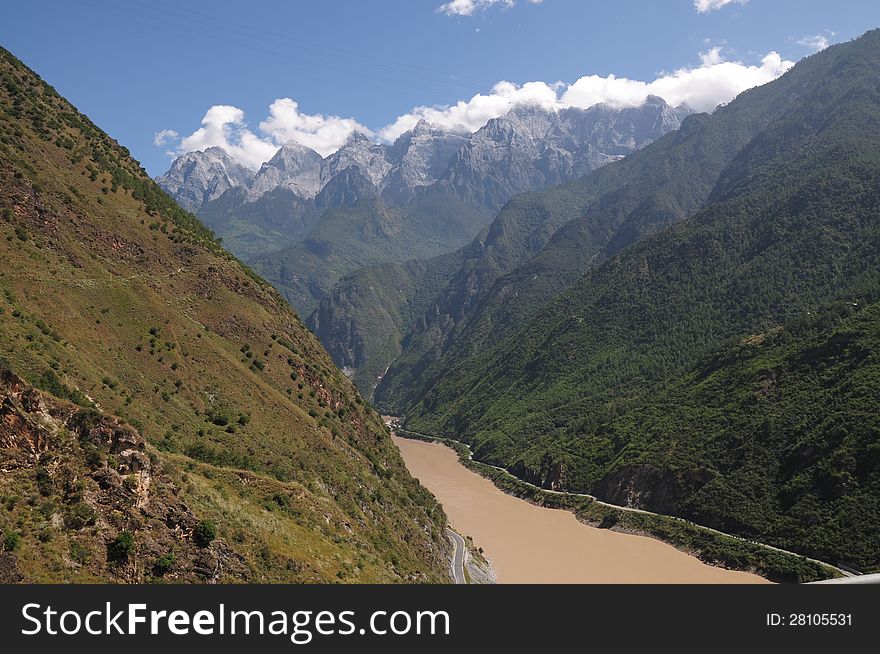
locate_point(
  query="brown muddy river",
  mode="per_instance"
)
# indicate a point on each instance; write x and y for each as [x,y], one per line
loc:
[531,544]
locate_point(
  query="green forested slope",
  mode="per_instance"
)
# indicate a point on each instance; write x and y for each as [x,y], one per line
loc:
[541,243]
[362,320]
[370,232]
[123,309]
[792,225]
[277,219]
[775,437]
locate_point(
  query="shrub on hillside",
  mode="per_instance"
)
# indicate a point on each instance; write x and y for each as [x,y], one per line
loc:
[121,547]
[205,533]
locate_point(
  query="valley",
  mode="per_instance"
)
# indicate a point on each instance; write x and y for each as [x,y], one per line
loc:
[631,326]
[638,326]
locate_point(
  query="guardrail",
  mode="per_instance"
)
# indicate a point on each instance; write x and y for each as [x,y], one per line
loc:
[855,579]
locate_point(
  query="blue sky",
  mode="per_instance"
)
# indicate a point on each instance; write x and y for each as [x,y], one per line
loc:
[137,67]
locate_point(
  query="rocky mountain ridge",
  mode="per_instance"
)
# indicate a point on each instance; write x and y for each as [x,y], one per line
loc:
[526,149]
[196,178]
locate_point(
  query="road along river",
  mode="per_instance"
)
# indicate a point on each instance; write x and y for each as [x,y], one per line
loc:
[532,544]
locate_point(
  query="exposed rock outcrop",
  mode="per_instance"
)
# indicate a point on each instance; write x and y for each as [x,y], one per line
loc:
[96,480]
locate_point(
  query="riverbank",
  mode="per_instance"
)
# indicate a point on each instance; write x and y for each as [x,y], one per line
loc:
[724,551]
[527,543]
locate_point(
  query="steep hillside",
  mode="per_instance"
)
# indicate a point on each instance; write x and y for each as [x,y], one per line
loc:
[540,243]
[791,225]
[242,438]
[368,232]
[363,318]
[773,437]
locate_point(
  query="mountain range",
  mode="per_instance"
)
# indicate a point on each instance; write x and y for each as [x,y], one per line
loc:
[668,311]
[690,330]
[303,221]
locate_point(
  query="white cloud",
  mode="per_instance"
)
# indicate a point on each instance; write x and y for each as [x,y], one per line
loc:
[224,126]
[703,87]
[712,56]
[819,42]
[702,6]
[324,134]
[164,137]
[716,81]
[470,7]
[471,115]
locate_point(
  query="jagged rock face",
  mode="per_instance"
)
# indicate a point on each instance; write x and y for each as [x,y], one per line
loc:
[423,155]
[196,178]
[294,167]
[370,158]
[649,487]
[531,148]
[620,131]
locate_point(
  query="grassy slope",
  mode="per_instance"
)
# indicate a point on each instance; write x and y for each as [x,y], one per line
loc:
[112,292]
[790,226]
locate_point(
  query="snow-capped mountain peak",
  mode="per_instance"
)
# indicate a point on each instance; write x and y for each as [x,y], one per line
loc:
[198,177]
[528,148]
[295,167]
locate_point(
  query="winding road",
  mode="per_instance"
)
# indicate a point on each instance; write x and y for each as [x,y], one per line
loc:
[458,554]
